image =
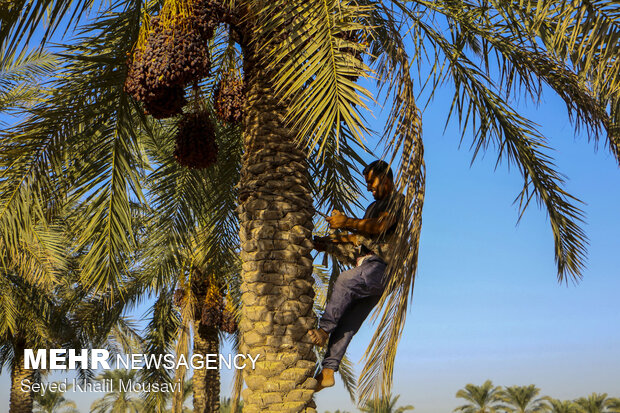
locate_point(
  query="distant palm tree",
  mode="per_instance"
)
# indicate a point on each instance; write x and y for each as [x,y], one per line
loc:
[482,399]
[119,400]
[53,402]
[226,406]
[597,403]
[522,399]
[385,404]
[30,269]
[562,406]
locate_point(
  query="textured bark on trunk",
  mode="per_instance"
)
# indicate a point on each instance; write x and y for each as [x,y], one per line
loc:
[275,234]
[21,401]
[206,382]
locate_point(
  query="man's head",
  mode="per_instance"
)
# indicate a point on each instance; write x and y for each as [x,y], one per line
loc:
[379,179]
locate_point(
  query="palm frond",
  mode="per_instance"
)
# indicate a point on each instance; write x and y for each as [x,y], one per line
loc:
[585,33]
[347,375]
[159,338]
[516,140]
[313,64]
[23,17]
[193,208]
[90,136]
[523,64]
[15,68]
[20,77]
[403,135]
[333,179]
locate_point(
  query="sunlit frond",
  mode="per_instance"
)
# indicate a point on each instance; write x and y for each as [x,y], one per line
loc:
[159,338]
[21,18]
[85,131]
[310,49]
[516,140]
[584,33]
[403,135]
[20,77]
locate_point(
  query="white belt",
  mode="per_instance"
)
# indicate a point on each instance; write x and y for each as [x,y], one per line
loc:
[360,260]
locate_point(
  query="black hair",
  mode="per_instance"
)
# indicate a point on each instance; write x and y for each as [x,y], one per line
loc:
[379,167]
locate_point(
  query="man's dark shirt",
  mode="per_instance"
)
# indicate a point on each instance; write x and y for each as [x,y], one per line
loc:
[378,244]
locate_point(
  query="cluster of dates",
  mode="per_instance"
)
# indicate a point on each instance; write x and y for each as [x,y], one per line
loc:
[195,140]
[175,54]
[211,308]
[228,99]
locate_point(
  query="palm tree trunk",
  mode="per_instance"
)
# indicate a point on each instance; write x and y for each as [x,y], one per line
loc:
[206,382]
[21,401]
[275,233]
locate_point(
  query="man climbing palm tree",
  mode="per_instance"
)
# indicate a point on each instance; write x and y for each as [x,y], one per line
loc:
[359,289]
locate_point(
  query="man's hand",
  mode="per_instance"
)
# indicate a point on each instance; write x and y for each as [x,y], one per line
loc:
[337,220]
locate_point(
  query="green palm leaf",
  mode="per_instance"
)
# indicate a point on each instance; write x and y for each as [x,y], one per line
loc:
[20,75]
[313,65]
[481,399]
[522,399]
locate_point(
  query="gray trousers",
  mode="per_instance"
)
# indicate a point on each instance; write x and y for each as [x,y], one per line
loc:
[356,292]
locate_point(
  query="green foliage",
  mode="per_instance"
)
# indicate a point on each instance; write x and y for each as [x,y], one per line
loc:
[585,35]
[119,400]
[20,77]
[562,406]
[481,399]
[598,403]
[226,406]
[53,402]
[522,399]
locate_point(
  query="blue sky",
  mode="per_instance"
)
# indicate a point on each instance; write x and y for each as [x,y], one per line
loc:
[487,304]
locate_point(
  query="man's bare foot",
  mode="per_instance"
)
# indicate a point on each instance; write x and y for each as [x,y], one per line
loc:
[325,379]
[318,336]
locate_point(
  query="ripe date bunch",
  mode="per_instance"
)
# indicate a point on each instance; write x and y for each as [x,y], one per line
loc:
[195,141]
[228,323]
[212,309]
[165,102]
[208,13]
[214,312]
[175,54]
[229,99]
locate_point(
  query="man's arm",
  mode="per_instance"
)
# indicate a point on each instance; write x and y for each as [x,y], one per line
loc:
[320,243]
[342,247]
[369,226]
